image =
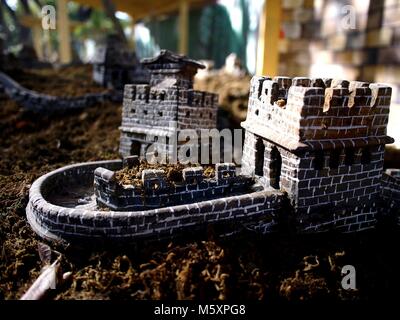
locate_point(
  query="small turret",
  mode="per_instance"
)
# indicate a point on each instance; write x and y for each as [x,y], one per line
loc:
[155,114]
[168,69]
[322,141]
[115,65]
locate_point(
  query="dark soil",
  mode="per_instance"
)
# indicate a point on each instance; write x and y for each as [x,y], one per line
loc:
[278,267]
[173,172]
[69,81]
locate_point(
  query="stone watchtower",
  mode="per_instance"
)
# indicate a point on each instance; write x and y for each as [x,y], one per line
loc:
[115,65]
[155,114]
[321,141]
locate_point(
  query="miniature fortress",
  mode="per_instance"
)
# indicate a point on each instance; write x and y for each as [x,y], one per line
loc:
[40,102]
[156,113]
[313,151]
[115,65]
[322,142]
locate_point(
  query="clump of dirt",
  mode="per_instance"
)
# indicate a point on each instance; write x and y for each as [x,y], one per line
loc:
[173,172]
[209,172]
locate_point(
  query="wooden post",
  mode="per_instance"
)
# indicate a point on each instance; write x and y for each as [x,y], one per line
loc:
[183,26]
[63,29]
[133,41]
[268,39]
[37,41]
[35,25]
[48,48]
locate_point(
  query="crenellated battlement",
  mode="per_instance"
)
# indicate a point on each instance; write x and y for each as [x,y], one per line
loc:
[314,109]
[189,97]
[155,191]
[144,105]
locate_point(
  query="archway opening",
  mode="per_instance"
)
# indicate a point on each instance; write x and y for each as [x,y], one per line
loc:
[135,148]
[275,168]
[259,158]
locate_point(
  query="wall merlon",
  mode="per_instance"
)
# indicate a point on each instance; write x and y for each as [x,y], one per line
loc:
[130,92]
[339,83]
[193,175]
[270,92]
[105,174]
[225,171]
[256,85]
[201,99]
[143,93]
[157,94]
[301,82]
[154,179]
[283,82]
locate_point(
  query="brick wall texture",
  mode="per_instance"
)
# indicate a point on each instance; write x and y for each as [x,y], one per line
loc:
[390,193]
[156,192]
[328,137]
[157,112]
[56,222]
[150,114]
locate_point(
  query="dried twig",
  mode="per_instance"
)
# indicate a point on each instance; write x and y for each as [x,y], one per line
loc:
[48,278]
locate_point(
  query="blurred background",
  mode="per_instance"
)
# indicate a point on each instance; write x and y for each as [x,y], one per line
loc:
[348,39]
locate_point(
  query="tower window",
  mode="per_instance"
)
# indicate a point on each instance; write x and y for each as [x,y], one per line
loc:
[257,112]
[365,156]
[187,114]
[160,113]
[145,112]
[133,110]
[319,160]
[349,159]
[334,159]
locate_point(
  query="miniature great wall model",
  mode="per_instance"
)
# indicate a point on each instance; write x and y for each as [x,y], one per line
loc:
[114,65]
[313,151]
[44,103]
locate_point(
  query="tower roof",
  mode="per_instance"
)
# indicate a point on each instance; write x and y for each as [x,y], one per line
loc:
[115,53]
[176,61]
